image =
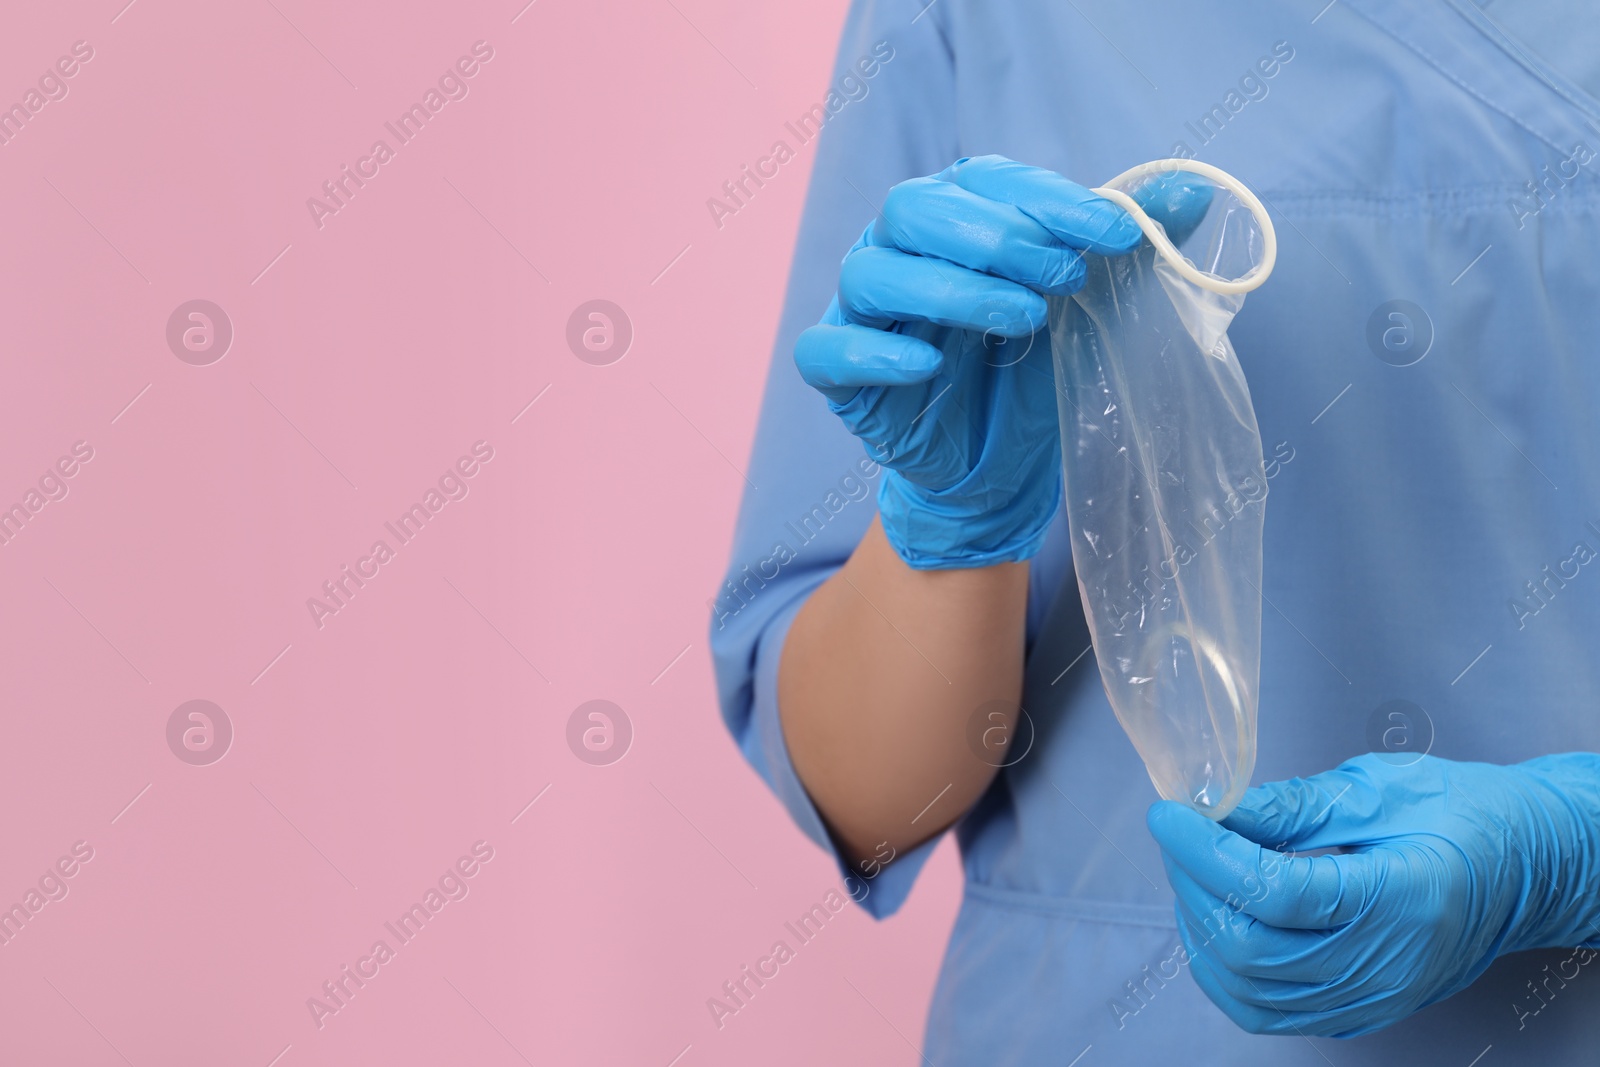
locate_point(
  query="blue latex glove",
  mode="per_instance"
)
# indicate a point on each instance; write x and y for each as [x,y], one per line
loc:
[935,350]
[1443,867]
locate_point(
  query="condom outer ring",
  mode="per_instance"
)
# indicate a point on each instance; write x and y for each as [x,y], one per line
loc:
[1169,252]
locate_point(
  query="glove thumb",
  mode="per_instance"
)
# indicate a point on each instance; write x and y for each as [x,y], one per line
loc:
[1322,811]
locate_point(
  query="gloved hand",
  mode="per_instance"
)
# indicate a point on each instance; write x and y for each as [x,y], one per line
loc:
[1445,867]
[935,350]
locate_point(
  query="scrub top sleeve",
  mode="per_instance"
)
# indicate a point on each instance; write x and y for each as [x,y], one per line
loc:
[879,889]
[891,116]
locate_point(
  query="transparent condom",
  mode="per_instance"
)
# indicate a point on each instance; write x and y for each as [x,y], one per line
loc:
[1165,484]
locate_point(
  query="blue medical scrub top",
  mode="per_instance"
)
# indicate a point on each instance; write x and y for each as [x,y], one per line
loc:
[1424,369]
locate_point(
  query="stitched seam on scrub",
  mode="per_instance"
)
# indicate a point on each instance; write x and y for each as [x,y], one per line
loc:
[1488,199]
[1066,908]
[1456,81]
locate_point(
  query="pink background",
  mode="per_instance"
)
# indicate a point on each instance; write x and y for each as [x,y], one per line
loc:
[367,356]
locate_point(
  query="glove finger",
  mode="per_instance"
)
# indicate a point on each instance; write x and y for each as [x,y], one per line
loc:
[1073,214]
[1293,892]
[1351,1019]
[1269,993]
[941,220]
[1179,201]
[1250,1018]
[1326,810]
[1244,944]
[838,361]
[881,286]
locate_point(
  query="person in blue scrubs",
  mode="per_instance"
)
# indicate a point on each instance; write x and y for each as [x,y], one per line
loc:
[899,644]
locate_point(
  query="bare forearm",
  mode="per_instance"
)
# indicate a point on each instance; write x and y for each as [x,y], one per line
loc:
[882,673]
